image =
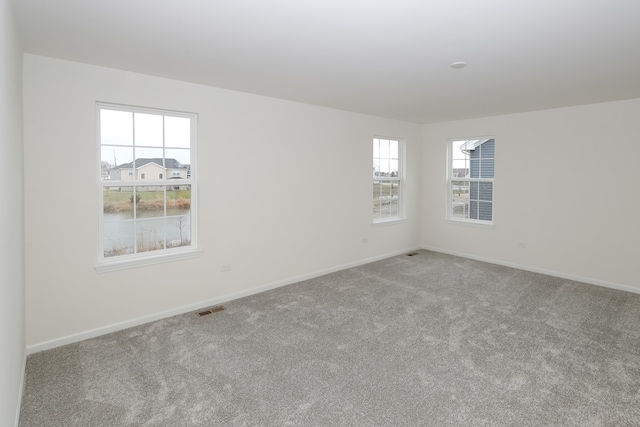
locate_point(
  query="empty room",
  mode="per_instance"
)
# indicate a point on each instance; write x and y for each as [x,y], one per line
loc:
[319,213]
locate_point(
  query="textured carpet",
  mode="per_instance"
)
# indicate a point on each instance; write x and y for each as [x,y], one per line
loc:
[430,339]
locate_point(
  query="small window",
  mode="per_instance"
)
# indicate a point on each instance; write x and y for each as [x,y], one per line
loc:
[139,219]
[471,176]
[387,179]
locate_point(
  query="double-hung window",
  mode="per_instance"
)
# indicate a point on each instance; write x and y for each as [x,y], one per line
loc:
[147,186]
[387,179]
[471,174]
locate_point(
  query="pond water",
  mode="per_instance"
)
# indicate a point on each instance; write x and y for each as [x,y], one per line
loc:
[151,231]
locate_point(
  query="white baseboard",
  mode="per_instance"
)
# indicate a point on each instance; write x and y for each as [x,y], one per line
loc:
[70,339]
[21,389]
[561,275]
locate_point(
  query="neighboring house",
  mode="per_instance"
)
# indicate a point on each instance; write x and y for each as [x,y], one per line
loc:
[481,165]
[151,169]
[481,149]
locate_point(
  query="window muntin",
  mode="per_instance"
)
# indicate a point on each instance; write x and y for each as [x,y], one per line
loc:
[471,179]
[387,179]
[141,215]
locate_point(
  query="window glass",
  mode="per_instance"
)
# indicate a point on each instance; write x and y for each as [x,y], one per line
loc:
[138,147]
[148,130]
[386,179]
[471,179]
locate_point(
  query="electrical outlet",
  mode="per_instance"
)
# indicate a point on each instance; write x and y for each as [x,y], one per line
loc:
[225,267]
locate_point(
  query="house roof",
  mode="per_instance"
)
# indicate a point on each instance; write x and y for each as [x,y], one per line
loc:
[169,163]
[472,144]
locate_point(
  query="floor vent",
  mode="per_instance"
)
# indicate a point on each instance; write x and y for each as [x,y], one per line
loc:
[412,254]
[211,310]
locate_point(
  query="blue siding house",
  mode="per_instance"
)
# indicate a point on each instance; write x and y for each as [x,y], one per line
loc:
[481,165]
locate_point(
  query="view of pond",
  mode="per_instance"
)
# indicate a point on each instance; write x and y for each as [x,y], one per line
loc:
[151,231]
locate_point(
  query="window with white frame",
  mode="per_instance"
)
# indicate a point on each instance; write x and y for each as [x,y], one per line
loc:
[387,179]
[471,175]
[141,216]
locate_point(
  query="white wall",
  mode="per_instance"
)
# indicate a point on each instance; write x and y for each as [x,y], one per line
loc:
[566,185]
[12,344]
[285,192]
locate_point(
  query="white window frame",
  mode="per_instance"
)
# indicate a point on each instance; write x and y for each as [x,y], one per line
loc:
[106,264]
[399,180]
[451,178]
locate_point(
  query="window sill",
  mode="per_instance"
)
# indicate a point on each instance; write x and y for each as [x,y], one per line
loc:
[471,223]
[389,221]
[123,264]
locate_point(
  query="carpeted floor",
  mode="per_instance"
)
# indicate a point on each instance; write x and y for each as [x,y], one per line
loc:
[424,340]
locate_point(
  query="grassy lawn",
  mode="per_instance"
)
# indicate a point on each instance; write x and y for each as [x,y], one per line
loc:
[115,196]
[118,201]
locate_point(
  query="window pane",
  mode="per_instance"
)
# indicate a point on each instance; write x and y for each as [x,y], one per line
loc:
[182,156]
[385,189]
[474,168]
[460,169]
[145,155]
[487,150]
[485,211]
[178,200]
[485,191]
[456,152]
[395,188]
[473,209]
[176,170]
[385,199]
[177,132]
[473,190]
[146,166]
[460,199]
[116,162]
[178,231]
[486,168]
[150,234]
[117,237]
[116,127]
[393,149]
[393,168]
[150,201]
[376,189]
[393,208]
[148,130]
[384,148]
[117,203]
[118,225]
[385,167]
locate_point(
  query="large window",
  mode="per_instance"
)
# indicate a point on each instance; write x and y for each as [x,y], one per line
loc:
[147,190]
[387,178]
[470,181]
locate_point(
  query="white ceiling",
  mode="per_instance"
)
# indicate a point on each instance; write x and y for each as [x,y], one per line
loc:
[383,57]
